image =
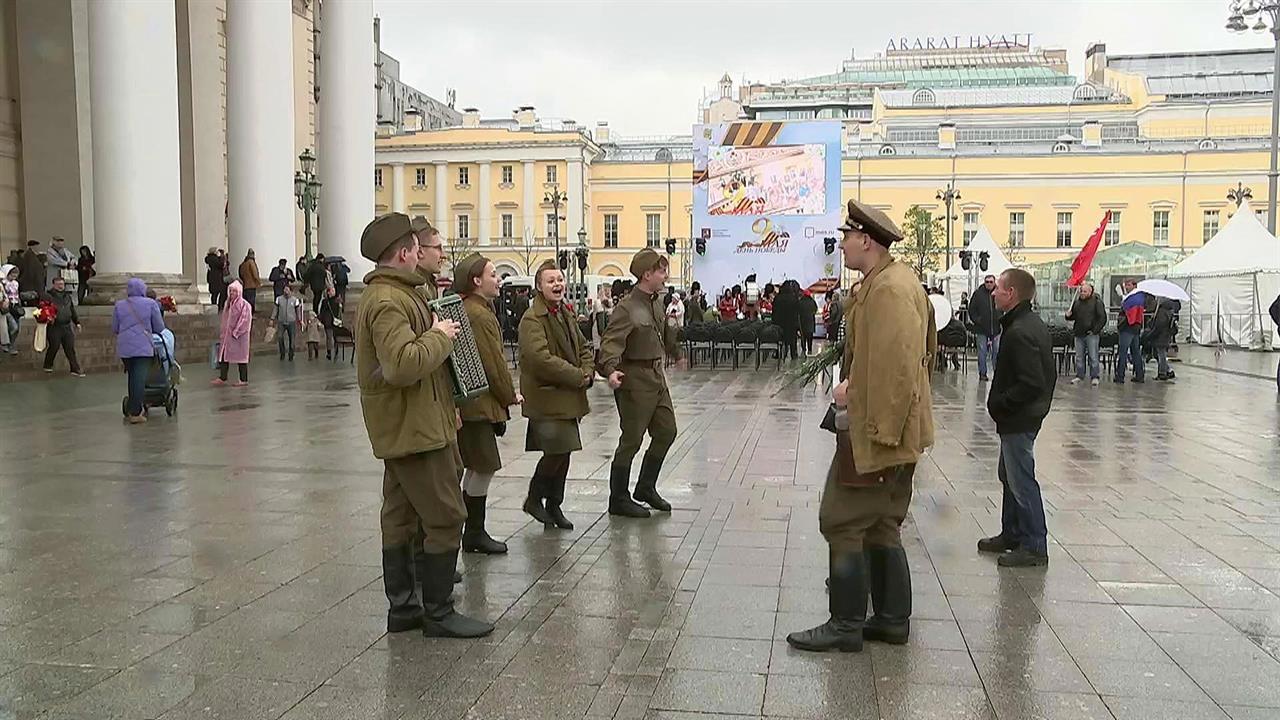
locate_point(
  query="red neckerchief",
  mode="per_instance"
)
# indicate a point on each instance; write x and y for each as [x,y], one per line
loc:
[553,309]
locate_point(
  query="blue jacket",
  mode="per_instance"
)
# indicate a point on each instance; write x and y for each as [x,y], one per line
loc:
[134,320]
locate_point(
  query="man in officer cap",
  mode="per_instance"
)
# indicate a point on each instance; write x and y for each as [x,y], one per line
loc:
[631,357]
[883,422]
[407,400]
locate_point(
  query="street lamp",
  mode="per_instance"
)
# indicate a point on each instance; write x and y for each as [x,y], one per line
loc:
[555,198]
[948,196]
[581,254]
[664,155]
[1265,10]
[306,189]
[1239,194]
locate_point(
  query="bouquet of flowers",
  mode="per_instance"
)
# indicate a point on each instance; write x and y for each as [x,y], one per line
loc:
[168,304]
[46,312]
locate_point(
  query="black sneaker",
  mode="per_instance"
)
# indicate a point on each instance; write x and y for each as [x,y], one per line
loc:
[997,544]
[1022,557]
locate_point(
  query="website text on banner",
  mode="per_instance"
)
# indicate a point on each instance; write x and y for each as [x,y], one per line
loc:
[765,196]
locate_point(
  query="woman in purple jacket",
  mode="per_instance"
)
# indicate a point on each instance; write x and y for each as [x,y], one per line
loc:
[135,320]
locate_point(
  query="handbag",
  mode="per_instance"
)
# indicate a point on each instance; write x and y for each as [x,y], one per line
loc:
[270,335]
[42,337]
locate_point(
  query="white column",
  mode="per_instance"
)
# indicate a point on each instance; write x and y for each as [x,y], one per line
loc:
[528,202]
[397,187]
[346,110]
[134,115]
[260,162]
[573,216]
[486,209]
[442,199]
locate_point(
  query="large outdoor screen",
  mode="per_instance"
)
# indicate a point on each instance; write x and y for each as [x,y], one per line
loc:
[783,180]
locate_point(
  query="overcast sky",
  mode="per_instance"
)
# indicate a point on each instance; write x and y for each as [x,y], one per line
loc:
[643,66]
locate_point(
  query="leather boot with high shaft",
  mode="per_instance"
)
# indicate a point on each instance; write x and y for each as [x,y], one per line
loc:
[439,618]
[889,575]
[620,502]
[555,497]
[475,539]
[647,485]
[420,569]
[405,611]
[848,604]
[533,501]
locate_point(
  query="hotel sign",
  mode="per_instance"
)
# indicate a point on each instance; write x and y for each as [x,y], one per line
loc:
[1011,41]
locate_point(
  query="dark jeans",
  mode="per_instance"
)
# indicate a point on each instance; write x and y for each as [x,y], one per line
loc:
[61,336]
[789,345]
[806,342]
[224,367]
[252,297]
[988,348]
[284,338]
[1022,509]
[81,291]
[137,369]
[218,296]
[1128,350]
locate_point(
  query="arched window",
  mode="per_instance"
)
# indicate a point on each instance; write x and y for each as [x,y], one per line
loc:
[1208,144]
[888,150]
[1085,92]
[1061,147]
[923,96]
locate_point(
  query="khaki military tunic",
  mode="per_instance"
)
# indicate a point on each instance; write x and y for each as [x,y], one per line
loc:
[635,342]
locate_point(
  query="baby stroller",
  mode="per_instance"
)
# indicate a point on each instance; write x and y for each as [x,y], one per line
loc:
[160,390]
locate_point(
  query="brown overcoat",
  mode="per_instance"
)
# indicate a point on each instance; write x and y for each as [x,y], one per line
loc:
[555,363]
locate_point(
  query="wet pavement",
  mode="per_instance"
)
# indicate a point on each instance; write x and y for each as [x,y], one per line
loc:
[225,564]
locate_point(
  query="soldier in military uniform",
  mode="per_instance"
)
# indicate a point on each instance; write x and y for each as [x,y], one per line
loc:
[476,280]
[631,357]
[883,422]
[555,372]
[406,397]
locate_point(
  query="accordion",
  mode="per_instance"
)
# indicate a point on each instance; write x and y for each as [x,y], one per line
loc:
[465,368]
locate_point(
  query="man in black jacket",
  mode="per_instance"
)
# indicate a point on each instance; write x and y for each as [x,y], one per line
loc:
[1021,393]
[1088,318]
[61,333]
[984,322]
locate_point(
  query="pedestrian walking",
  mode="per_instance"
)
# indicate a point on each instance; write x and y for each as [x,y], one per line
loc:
[406,396]
[135,320]
[316,278]
[1129,346]
[484,417]
[555,372]
[62,331]
[984,323]
[882,417]
[234,336]
[1088,319]
[286,317]
[84,272]
[1020,397]
[249,279]
[330,319]
[217,276]
[808,321]
[1159,335]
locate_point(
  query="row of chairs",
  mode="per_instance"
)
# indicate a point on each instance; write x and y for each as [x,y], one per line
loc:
[733,353]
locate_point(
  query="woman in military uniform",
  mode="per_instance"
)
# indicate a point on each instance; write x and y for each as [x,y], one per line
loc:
[483,417]
[555,371]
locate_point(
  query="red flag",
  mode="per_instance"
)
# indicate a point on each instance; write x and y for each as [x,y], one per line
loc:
[1080,266]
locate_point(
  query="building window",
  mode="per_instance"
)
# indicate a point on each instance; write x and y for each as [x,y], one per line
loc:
[464,227]
[1064,229]
[1160,228]
[507,174]
[508,226]
[970,227]
[377,177]
[652,230]
[611,231]
[1111,236]
[1210,225]
[420,177]
[551,174]
[553,227]
[464,176]
[1017,229]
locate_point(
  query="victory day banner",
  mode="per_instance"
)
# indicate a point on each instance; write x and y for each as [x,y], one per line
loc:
[765,196]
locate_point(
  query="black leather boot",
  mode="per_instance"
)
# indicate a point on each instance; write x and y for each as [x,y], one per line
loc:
[554,493]
[620,502]
[439,617]
[405,611]
[647,485]
[890,580]
[474,537]
[420,569]
[533,501]
[848,603]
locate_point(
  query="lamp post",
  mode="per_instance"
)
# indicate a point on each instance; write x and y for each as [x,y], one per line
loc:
[664,156]
[555,198]
[1239,194]
[306,188]
[1268,13]
[580,254]
[948,196]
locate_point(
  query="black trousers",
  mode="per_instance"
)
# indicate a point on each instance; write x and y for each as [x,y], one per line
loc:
[788,344]
[225,367]
[61,336]
[218,296]
[806,342]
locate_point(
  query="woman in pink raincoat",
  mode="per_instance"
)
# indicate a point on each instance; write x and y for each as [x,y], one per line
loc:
[237,320]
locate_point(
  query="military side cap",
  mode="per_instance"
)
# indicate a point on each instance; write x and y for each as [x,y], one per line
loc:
[872,222]
[644,261]
[382,232]
[467,270]
[420,223]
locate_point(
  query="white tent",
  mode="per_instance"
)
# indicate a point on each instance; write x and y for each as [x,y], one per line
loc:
[1232,281]
[956,279]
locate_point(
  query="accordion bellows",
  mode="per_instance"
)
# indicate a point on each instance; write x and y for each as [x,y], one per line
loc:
[465,368]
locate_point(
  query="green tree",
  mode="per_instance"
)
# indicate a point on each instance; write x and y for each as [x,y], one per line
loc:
[922,242]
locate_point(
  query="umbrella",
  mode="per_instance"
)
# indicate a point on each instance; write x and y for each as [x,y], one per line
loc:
[1163,289]
[941,310]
